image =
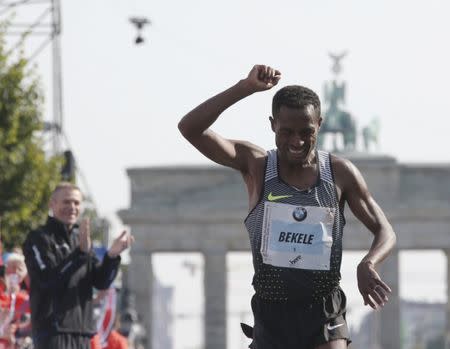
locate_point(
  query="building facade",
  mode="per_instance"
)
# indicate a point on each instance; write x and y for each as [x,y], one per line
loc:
[201,209]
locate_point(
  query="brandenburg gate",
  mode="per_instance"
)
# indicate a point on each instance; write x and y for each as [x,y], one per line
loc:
[201,209]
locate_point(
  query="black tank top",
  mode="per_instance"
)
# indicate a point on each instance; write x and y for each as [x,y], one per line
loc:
[296,236]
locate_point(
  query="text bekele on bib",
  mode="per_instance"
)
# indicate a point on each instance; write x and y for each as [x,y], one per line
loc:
[297,236]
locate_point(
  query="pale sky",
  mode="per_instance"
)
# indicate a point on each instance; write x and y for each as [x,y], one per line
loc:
[122,102]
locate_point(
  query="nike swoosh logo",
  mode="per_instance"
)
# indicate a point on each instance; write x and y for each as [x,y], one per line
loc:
[330,328]
[271,197]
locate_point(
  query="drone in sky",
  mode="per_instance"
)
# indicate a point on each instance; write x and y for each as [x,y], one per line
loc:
[139,23]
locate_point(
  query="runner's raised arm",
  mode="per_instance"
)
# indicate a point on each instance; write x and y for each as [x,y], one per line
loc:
[195,126]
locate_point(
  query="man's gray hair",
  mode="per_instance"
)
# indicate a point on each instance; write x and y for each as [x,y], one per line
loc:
[65,185]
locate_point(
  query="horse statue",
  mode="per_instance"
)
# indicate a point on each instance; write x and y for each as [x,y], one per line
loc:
[339,122]
[336,119]
[371,134]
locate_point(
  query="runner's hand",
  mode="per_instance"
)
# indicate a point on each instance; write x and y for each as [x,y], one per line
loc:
[262,77]
[85,235]
[373,290]
[121,243]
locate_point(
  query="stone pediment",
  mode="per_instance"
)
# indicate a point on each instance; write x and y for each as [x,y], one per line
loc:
[415,198]
[187,193]
[200,185]
[202,208]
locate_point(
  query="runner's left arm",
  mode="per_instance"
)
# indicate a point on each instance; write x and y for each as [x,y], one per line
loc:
[356,193]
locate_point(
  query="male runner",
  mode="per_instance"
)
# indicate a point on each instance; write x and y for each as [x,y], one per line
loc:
[296,217]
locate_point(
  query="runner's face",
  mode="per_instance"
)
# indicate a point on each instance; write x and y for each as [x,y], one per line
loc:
[65,205]
[296,134]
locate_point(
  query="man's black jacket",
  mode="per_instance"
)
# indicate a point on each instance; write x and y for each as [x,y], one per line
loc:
[62,280]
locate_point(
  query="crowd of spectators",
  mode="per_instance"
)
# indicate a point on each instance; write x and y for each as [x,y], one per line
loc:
[55,292]
[15,313]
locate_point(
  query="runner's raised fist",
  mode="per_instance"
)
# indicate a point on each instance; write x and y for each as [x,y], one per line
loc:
[263,77]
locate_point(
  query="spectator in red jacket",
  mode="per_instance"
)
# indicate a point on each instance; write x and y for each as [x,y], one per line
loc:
[14,302]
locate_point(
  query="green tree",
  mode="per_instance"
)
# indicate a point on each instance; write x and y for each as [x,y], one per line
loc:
[27,174]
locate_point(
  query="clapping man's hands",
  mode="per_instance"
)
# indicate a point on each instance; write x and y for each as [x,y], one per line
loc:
[120,244]
[85,236]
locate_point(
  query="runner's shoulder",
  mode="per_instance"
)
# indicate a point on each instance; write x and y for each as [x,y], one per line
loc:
[259,159]
[254,156]
[249,148]
[343,168]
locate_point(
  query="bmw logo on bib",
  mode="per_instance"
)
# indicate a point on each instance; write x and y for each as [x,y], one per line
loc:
[299,214]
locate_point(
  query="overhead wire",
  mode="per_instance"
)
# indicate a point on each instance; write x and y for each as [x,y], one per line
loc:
[30,31]
[10,6]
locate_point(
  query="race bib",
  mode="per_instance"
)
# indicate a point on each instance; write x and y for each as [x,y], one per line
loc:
[297,236]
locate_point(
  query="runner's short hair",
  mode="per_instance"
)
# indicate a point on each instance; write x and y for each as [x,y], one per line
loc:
[296,97]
